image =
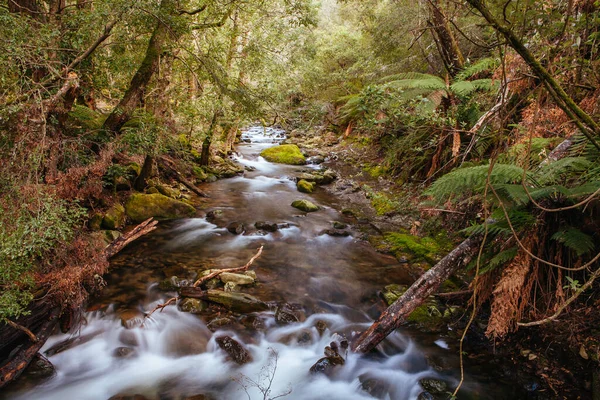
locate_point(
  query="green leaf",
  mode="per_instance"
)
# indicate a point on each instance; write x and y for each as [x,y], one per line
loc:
[575,240]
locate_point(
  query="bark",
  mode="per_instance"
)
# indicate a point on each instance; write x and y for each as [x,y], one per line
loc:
[119,244]
[21,359]
[142,180]
[446,40]
[205,154]
[137,88]
[28,7]
[584,122]
[419,291]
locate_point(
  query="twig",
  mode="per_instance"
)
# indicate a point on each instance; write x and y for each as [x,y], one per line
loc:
[161,307]
[220,271]
[33,338]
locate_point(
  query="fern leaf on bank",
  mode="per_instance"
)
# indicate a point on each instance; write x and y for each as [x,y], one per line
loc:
[500,259]
[575,240]
[473,179]
[465,88]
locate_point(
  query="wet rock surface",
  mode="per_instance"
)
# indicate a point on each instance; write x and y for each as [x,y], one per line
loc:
[234,349]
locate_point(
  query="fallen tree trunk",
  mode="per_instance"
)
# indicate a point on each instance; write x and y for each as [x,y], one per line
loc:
[419,291]
[145,227]
[21,359]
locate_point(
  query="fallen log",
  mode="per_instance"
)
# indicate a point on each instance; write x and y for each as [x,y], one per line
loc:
[419,291]
[21,359]
[119,244]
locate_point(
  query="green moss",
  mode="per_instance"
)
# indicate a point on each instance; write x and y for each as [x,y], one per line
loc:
[422,248]
[381,202]
[305,186]
[284,154]
[114,217]
[140,207]
[375,170]
[86,118]
[305,205]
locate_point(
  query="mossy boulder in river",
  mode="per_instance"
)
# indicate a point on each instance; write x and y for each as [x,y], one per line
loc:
[140,207]
[305,186]
[284,154]
[305,205]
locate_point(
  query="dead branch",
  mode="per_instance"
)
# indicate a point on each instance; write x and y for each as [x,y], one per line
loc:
[220,271]
[119,244]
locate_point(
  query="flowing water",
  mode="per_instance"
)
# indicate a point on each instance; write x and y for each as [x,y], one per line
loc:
[334,280]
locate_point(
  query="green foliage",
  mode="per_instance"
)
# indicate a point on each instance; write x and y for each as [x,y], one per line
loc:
[472,180]
[575,240]
[28,236]
[483,65]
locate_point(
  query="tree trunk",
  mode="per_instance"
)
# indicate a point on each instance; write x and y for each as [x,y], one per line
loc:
[142,180]
[137,88]
[419,291]
[447,44]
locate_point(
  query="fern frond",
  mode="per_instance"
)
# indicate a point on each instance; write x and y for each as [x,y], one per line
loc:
[485,64]
[563,169]
[575,240]
[473,179]
[583,190]
[515,193]
[465,88]
[430,82]
[406,76]
[500,259]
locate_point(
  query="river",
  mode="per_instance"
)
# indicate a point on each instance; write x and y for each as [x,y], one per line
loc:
[332,280]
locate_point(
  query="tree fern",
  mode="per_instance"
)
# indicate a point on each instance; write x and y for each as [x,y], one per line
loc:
[575,240]
[562,170]
[465,88]
[499,259]
[473,179]
[485,64]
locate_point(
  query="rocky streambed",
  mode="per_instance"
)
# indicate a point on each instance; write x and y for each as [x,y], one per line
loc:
[279,328]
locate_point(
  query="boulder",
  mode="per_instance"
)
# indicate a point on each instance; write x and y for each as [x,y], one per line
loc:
[234,350]
[152,190]
[305,186]
[95,222]
[237,302]
[434,386]
[339,225]
[40,368]
[231,287]
[305,205]
[114,217]
[123,352]
[315,160]
[284,154]
[238,279]
[140,207]
[326,365]
[335,232]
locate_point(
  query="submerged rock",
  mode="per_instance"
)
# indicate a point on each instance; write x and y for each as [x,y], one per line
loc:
[123,352]
[40,368]
[140,207]
[305,205]
[284,154]
[373,386]
[234,350]
[335,232]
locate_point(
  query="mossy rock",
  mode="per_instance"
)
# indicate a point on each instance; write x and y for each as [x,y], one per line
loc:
[168,191]
[305,186]
[86,118]
[284,154]
[114,217]
[140,207]
[305,205]
[134,169]
[421,248]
